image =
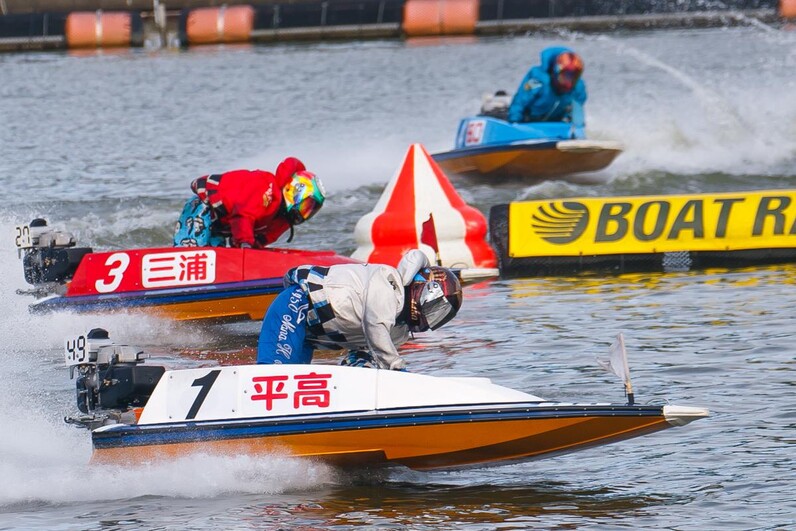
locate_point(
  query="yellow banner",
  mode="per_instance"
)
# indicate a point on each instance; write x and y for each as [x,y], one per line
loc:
[653,224]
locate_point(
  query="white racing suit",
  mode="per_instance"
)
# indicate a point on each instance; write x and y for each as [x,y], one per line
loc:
[351,306]
[356,306]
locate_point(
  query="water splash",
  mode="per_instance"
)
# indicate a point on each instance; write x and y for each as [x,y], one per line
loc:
[50,464]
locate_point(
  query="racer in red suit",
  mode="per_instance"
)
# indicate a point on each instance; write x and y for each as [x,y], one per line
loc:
[256,207]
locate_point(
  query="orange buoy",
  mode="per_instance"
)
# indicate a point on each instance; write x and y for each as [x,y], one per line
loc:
[459,17]
[422,17]
[97,29]
[215,25]
[420,209]
[787,8]
[440,17]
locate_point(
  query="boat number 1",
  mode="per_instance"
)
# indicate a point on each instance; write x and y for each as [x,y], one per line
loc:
[205,382]
[118,263]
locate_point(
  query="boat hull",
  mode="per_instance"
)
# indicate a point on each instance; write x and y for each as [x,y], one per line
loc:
[538,160]
[233,302]
[492,148]
[421,439]
[184,284]
[358,416]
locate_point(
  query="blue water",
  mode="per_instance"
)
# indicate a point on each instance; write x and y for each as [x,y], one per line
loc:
[105,145]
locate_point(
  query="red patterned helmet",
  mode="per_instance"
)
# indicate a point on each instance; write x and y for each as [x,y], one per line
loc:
[567,70]
[435,298]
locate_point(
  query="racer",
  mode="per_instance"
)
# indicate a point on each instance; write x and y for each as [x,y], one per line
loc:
[252,208]
[552,91]
[369,309]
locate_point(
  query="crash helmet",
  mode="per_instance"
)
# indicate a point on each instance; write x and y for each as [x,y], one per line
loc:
[435,296]
[566,71]
[303,197]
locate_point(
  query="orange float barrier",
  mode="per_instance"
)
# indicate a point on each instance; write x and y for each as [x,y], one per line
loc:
[787,8]
[214,25]
[440,17]
[98,29]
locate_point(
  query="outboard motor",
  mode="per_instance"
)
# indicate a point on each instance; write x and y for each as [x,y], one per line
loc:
[496,105]
[111,380]
[49,257]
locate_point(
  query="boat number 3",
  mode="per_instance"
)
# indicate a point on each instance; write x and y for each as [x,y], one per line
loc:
[118,263]
[204,383]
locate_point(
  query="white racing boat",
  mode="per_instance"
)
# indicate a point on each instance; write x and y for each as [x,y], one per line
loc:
[138,412]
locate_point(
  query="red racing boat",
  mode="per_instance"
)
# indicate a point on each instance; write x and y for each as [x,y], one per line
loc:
[181,283]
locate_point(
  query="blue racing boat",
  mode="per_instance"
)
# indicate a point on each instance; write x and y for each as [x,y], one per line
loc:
[489,146]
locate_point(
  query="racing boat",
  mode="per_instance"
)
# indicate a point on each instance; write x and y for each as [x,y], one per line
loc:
[488,146]
[349,416]
[187,283]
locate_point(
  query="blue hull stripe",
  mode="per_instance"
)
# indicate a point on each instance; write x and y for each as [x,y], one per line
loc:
[161,297]
[157,434]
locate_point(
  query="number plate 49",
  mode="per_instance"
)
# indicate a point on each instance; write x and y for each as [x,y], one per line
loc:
[76,351]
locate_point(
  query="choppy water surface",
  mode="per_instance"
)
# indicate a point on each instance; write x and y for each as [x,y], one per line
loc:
[106,144]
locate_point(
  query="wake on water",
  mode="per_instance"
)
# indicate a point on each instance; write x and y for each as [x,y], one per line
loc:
[677,110]
[698,119]
[46,460]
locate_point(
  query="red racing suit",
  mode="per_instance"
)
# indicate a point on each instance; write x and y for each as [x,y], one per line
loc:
[247,205]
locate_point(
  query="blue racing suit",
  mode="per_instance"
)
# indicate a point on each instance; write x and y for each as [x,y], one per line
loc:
[283,336]
[537,101]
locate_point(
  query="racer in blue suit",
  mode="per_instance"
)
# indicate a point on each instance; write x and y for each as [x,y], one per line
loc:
[552,91]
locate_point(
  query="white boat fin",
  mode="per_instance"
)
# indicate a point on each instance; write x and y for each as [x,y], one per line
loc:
[682,415]
[589,146]
[476,274]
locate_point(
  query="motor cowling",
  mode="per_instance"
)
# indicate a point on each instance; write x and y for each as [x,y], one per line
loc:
[111,379]
[118,386]
[48,256]
[496,105]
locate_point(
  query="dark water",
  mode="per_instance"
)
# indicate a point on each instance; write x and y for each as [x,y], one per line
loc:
[106,144]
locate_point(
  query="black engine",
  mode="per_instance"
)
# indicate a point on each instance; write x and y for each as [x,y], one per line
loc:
[117,386]
[111,379]
[49,256]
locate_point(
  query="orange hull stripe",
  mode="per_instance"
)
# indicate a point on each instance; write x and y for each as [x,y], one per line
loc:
[432,446]
[531,163]
[250,307]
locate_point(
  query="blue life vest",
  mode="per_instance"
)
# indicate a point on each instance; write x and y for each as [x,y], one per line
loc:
[194,227]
